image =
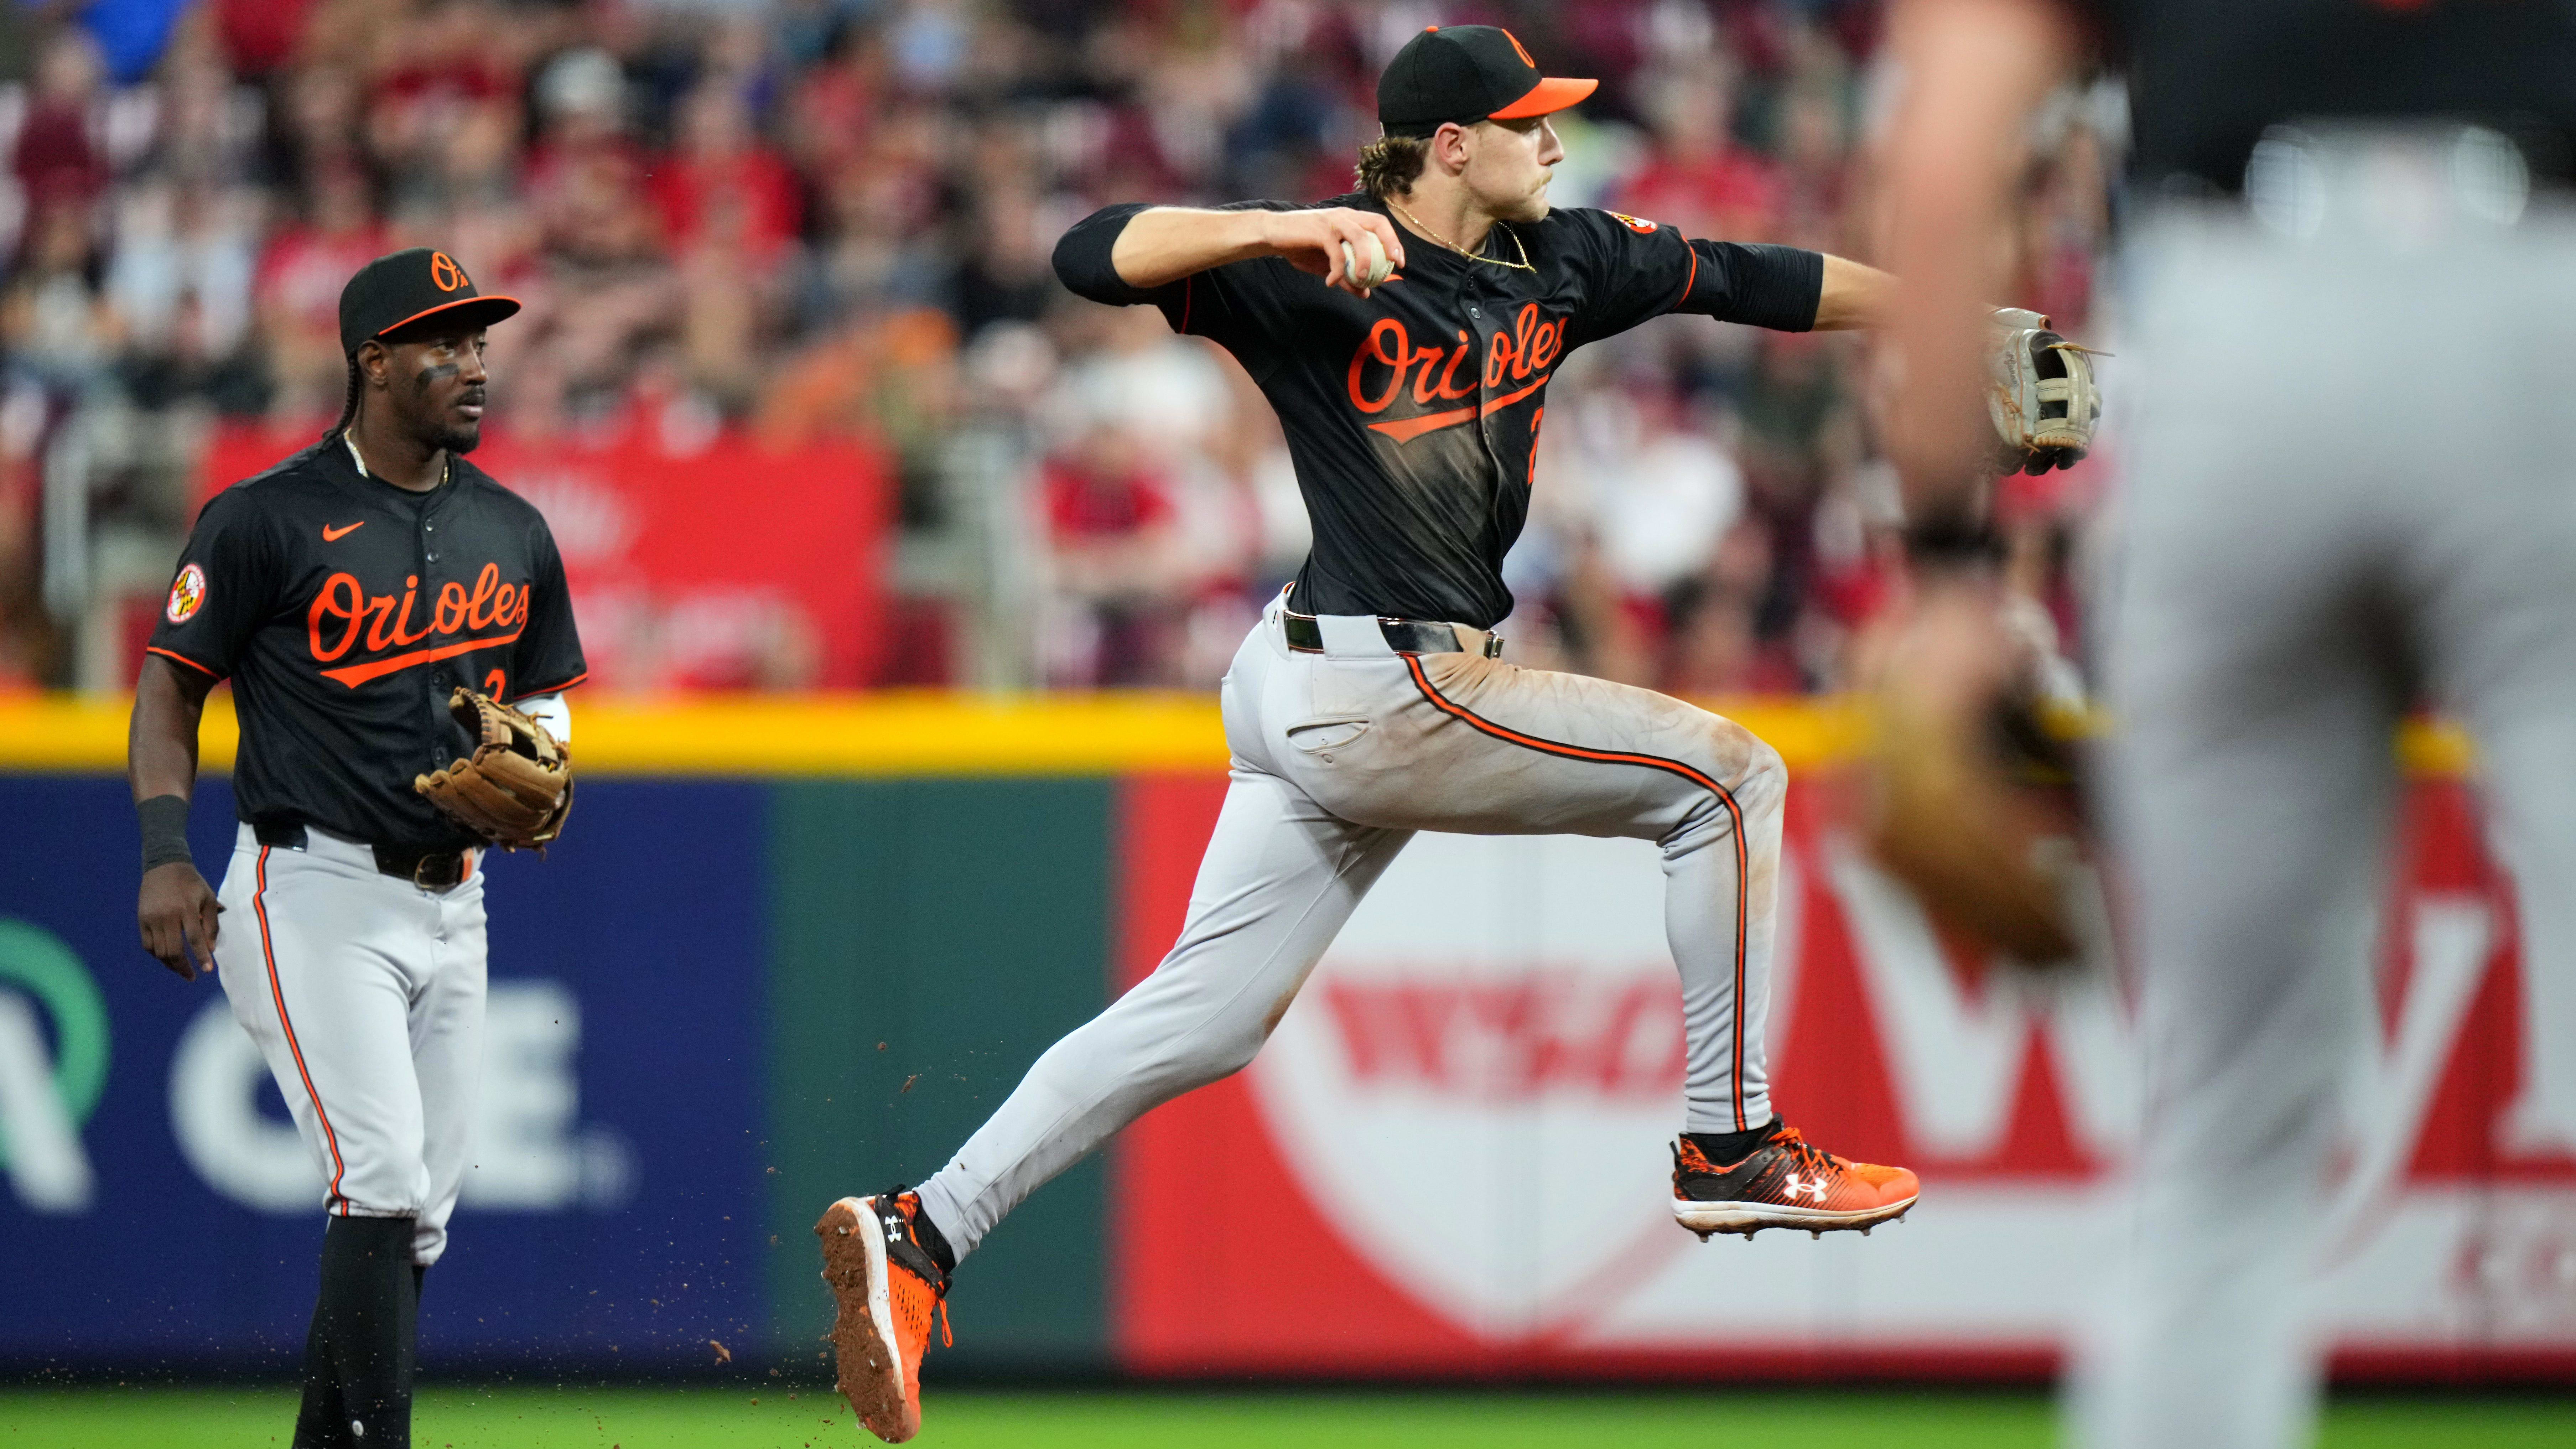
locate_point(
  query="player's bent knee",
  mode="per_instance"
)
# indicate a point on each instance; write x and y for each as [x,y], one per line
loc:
[1766,775]
[1752,784]
[1752,770]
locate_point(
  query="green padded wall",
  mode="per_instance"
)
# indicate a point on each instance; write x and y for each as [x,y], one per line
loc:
[964,924]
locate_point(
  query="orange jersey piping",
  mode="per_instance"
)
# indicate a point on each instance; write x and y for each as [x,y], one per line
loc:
[277,993]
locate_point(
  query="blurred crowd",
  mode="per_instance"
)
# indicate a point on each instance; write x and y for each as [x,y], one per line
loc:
[832,218]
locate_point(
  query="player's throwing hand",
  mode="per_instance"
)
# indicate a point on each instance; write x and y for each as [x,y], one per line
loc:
[1339,245]
[1413,419]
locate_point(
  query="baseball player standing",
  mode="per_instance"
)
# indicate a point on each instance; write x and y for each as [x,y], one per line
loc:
[365,597]
[2375,195]
[1371,701]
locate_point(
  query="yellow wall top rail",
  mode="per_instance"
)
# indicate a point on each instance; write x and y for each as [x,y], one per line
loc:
[923,733]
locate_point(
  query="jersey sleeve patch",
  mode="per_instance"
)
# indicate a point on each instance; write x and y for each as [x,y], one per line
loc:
[187,595]
[1639,225]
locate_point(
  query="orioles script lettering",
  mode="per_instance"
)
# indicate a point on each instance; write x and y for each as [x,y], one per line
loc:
[343,614]
[1441,371]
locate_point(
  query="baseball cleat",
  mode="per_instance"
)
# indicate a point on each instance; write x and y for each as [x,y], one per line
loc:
[1786,1182]
[886,1290]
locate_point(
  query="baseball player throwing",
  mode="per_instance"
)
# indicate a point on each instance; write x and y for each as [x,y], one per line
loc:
[370,598]
[1372,701]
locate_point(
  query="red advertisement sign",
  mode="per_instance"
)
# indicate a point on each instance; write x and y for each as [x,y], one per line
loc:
[697,562]
[1450,1157]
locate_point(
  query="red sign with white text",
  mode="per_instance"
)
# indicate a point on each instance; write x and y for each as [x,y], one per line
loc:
[704,561]
[1451,1157]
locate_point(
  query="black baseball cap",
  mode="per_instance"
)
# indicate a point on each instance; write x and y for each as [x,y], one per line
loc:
[406,288]
[1466,74]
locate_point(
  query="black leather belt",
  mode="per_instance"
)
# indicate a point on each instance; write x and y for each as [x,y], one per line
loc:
[1404,636]
[428,868]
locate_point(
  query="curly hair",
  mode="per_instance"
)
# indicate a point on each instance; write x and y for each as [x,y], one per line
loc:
[1389,164]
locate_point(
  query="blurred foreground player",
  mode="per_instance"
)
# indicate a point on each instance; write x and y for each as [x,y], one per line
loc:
[371,598]
[1406,335]
[2351,479]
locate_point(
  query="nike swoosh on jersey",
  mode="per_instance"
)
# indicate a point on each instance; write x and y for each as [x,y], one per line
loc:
[334,535]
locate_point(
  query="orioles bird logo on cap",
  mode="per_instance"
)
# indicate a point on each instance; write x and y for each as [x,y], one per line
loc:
[445,274]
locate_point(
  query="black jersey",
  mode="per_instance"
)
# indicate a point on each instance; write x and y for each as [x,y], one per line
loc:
[2207,77]
[344,610]
[1413,415]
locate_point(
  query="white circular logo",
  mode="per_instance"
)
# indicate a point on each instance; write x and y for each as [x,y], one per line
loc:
[187,595]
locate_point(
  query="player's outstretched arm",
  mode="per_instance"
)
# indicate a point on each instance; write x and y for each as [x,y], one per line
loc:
[1163,244]
[1854,295]
[176,910]
[1974,72]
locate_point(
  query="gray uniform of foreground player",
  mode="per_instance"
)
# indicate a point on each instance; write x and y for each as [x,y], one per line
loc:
[2307,543]
[2349,480]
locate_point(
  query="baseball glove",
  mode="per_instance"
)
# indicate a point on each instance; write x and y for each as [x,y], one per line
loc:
[517,788]
[1972,784]
[2039,393]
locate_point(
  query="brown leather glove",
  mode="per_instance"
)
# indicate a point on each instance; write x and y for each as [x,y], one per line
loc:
[1971,787]
[516,789]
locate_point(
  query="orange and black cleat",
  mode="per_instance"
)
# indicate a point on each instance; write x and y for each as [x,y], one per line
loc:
[887,1288]
[1785,1182]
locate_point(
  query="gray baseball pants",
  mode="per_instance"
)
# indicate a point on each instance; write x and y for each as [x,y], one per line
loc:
[365,993]
[2352,477]
[1338,758]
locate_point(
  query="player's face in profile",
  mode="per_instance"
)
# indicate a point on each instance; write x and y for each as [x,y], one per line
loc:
[438,385]
[1510,166]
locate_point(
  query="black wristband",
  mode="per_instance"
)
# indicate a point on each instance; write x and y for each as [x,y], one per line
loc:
[165,830]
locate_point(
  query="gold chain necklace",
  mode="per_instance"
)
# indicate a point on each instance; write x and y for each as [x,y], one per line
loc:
[1523,265]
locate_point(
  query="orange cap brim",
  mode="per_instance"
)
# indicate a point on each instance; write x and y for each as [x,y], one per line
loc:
[1553,93]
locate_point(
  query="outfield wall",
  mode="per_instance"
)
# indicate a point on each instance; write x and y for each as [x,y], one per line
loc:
[758,976]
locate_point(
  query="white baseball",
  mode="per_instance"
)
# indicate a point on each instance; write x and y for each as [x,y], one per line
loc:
[1370,266]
